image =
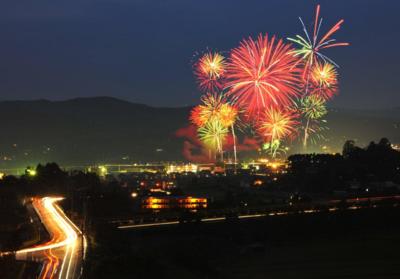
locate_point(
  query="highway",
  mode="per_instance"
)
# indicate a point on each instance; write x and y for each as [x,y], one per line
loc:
[63,254]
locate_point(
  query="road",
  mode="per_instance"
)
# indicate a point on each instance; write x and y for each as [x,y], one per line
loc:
[63,254]
[215,219]
[330,206]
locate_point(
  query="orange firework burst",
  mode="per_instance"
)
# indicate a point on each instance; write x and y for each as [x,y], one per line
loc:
[228,114]
[277,124]
[209,110]
[198,117]
[209,71]
[211,105]
[262,73]
[324,74]
[324,80]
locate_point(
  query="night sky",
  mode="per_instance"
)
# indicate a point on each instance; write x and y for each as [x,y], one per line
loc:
[141,50]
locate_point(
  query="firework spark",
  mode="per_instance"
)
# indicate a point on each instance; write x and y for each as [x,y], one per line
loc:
[210,70]
[262,73]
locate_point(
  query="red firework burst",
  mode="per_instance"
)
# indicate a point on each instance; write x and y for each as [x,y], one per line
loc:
[326,93]
[263,73]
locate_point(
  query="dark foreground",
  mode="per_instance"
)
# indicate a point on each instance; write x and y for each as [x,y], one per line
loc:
[349,244]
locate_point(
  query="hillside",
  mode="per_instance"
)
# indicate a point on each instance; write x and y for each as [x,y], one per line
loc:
[103,129]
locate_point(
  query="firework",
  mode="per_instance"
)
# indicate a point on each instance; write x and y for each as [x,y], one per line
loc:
[272,84]
[262,73]
[276,147]
[197,116]
[277,124]
[319,67]
[311,46]
[209,71]
[315,131]
[313,107]
[228,114]
[324,80]
[213,135]
[211,106]
[324,75]
[207,111]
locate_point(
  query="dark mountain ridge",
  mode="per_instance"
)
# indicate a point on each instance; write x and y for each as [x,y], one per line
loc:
[104,129]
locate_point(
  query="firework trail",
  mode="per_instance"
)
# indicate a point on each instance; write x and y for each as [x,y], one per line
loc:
[313,108]
[228,115]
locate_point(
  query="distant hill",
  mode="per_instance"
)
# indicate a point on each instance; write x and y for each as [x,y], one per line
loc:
[103,129]
[363,125]
[88,130]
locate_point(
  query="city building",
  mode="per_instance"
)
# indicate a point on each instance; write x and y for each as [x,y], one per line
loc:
[174,203]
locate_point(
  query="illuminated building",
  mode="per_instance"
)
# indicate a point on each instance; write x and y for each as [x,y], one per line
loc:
[211,168]
[99,170]
[174,203]
[258,182]
[396,147]
[30,172]
[182,168]
[106,169]
[157,184]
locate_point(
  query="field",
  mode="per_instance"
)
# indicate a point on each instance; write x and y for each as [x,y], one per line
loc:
[351,244]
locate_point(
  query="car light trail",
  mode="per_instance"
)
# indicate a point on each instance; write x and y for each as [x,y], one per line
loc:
[70,235]
[213,219]
[251,216]
[148,225]
[59,254]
